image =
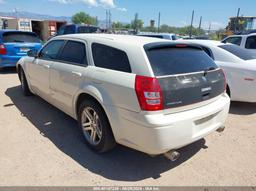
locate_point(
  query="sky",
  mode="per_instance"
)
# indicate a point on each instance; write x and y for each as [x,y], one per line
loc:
[173,12]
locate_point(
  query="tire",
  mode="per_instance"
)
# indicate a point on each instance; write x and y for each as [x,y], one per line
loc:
[95,127]
[24,84]
[228,91]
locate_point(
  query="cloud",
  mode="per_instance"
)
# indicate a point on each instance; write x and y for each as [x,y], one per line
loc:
[2,1]
[108,3]
[122,9]
[93,3]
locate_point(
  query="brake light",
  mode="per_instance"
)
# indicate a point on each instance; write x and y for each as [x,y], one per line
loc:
[2,49]
[181,45]
[149,93]
[225,85]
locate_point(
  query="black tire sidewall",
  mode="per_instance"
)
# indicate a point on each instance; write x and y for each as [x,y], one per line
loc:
[25,88]
[107,140]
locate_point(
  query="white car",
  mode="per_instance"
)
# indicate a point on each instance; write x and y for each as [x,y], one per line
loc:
[245,41]
[239,66]
[144,93]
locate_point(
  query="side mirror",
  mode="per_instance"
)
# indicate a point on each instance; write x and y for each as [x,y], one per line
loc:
[33,53]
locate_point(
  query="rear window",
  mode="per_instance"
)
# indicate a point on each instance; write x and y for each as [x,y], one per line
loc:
[110,58]
[86,29]
[20,37]
[171,61]
[239,52]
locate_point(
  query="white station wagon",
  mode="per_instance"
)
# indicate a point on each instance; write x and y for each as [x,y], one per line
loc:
[148,94]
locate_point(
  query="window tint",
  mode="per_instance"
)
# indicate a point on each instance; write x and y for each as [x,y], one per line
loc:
[74,52]
[208,52]
[110,58]
[171,61]
[61,31]
[70,29]
[174,37]
[153,36]
[239,52]
[87,29]
[51,50]
[234,40]
[20,37]
[251,42]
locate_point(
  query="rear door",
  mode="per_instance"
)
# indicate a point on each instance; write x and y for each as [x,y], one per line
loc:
[19,43]
[187,75]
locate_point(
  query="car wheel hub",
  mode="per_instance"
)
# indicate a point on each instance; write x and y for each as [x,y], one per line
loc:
[91,126]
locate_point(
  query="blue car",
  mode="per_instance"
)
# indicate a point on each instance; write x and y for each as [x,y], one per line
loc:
[16,44]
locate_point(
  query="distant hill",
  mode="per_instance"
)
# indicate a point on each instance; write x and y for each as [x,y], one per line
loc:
[24,14]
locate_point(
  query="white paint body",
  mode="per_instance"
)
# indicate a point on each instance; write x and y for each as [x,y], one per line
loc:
[240,74]
[150,132]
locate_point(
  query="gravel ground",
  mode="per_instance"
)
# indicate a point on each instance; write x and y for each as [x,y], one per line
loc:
[41,146]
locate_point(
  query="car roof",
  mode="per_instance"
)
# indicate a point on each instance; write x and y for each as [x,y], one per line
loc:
[121,39]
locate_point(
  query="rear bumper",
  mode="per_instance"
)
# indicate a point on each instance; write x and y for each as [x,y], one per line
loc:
[9,61]
[159,133]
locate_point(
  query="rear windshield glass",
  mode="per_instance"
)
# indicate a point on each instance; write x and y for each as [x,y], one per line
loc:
[20,37]
[239,52]
[86,29]
[171,61]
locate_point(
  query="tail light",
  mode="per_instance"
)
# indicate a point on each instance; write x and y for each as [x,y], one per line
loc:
[225,85]
[149,93]
[2,49]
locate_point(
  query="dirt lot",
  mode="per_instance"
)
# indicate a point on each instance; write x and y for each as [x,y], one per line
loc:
[40,145]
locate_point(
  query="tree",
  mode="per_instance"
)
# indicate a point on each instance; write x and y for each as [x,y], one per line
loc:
[138,24]
[83,18]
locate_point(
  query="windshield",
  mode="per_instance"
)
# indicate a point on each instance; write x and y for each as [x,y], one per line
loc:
[171,61]
[87,29]
[239,52]
[20,37]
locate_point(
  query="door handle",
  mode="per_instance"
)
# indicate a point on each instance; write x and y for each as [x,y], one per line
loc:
[47,66]
[77,74]
[97,82]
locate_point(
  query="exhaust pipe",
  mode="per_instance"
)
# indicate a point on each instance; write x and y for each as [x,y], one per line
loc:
[221,129]
[172,155]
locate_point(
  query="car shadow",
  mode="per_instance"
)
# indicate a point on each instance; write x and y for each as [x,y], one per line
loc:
[242,108]
[121,164]
[11,70]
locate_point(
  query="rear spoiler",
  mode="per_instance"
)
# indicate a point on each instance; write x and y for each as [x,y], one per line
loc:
[160,45]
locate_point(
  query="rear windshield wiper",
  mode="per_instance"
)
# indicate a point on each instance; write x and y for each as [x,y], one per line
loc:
[208,70]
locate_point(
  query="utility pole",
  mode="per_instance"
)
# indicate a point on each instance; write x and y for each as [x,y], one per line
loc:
[109,20]
[136,23]
[210,26]
[17,21]
[200,23]
[237,22]
[191,26]
[159,22]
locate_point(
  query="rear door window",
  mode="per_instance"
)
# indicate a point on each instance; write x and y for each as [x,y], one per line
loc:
[251,42]
[20,37]
[172,61]
[74,52]
[110,58]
